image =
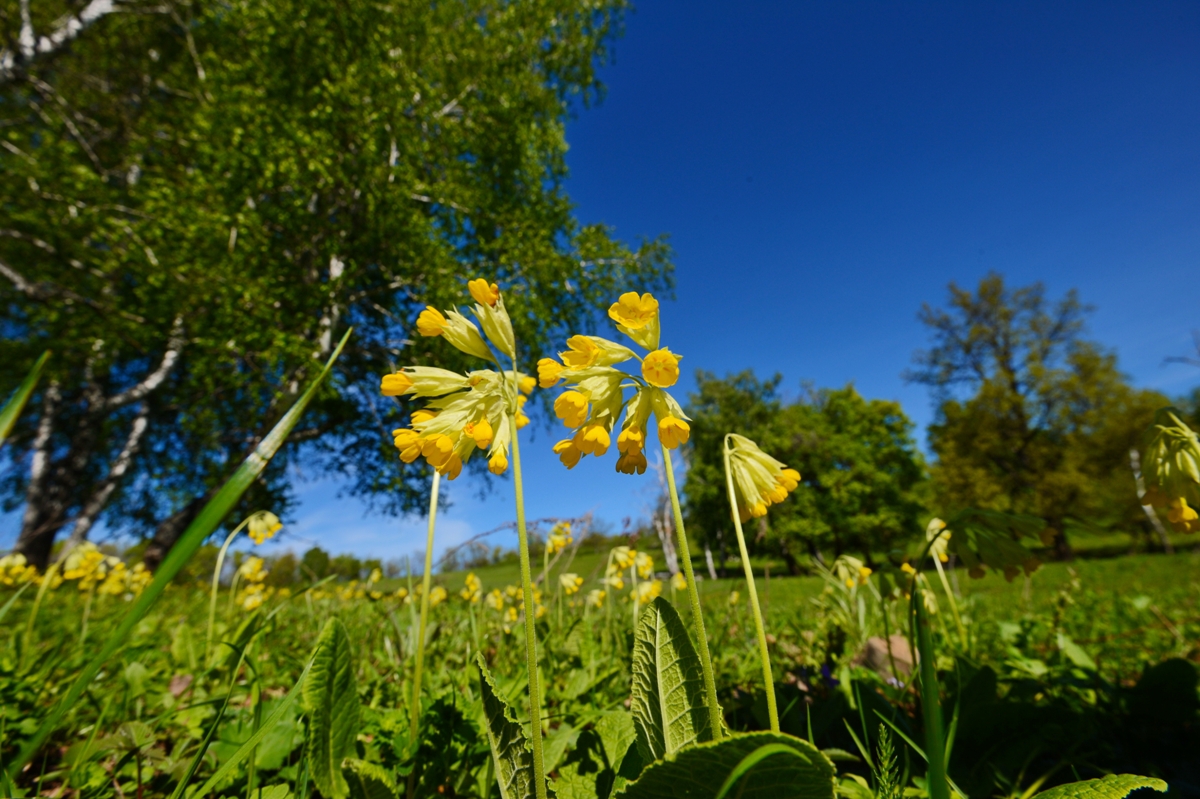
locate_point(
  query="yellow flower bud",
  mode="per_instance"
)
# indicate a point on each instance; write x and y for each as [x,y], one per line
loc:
[661,368]
[527,384]
[498,463]
[483,293]
[431,322]
[395,385]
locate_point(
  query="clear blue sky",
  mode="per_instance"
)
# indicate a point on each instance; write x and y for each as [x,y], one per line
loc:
[825,168]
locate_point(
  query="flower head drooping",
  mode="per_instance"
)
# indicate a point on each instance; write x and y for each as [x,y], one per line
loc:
[941,540]
[595,597]
[466,412]
[759,480]
[1182,517]
[570,582]
[644,564]
[595,398]
[649,591]
[560,538]
[263,525]
[14,570]
[1171,469]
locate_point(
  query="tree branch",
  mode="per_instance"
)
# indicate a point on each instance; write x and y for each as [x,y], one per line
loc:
[30,45]
[155,378]
[99,498]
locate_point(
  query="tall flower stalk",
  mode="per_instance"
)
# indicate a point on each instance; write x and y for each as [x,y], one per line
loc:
[414,715]
[263,524]
[755,481]
[480,410]
[593,404]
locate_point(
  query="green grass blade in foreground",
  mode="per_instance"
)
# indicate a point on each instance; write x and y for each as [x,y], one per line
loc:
[1113,786]
[669,710]
[195,535]
[12,409]
[248,746]
[704,770]
[935,739]
[12,600]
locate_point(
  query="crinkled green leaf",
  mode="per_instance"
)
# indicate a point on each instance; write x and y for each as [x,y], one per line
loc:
[700,772]
[514,760]
[332,700]
[1113,786]
[570,784]
[668,706]
[368,780]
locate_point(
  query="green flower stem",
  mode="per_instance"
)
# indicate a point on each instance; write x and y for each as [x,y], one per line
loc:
[414,716]
[763,653]
[685,554]
[962,631]
[47,578]
[216,587]
[935,738]
[531,659]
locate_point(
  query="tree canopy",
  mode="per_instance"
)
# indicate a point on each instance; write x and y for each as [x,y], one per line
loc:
[861,473]
[200,197]
[1032,417]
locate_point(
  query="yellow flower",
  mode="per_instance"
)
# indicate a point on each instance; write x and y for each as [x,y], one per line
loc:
[941,540]
[549,372]
[401,593]
[481,432]
[644,564]
[510,615]
[498,463]
[452,468]
[907,568]
[637,317]
[571,407]
[395,385]
[568,453]
[632,462]
[672,432]
[649,591]
[624,557]
[593,440]
[661,368]
[483,293]
[595,597]
[759,480]
[409,444]
[521,418]
[864,572]
[473,590]
[614,581]
[560,538]
[527,384]
[678,581]
[15,570]
[1183,518]
[431,322]
[1155,497]
[631,438]
[437,595]
[570,582]
[437,449]
[582,352]
[263,525]
[495,599]
[734,596]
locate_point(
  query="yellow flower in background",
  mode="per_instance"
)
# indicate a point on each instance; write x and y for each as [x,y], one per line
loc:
[941,540]
[483,293]
[15,570]
[473,590]
[510,615]
[512,591]
[401,593]
[595,598]
[570,582]
[661,368]
[263,525]
[649,591]
[560,538]
[437,595]
[139,578]
[614,581]
[734,596]
[1182,517]
[252,570]
[624,557]
[644,564]
[908,569]
[495,599]
[759,480]
[678,581]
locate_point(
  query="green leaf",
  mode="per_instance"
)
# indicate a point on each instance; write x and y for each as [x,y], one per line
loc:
[12,600]
[990,538]
[332,700]
[12,409]
[276,792]
[557,743]
[570,784]
[513,759]
[1114,786]
[367,780]
[195,535]
[761,765]
[668,706]
[617,734]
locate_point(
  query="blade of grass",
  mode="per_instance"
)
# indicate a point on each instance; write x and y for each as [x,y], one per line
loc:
[862,749]
[12,600]
[753,759]
[935,738]
[16,403]
[195,535]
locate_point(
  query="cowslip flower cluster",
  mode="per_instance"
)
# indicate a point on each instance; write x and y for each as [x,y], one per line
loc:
[1171,468]
[759,480]
[936,533]
[15,570]
[649,591]
[253,575]
[473,590]
[88,566]
[1182,516]
[559,539]
[263,525]
[468,411]
[596,597]
[851,571]
[595,396]
[570,582]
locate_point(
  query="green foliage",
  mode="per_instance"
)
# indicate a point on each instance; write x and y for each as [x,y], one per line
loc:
[512,757]
[1113,786]
[332,703]
[861,474]
[367,780]
[669,711]
[701,771]
[1032,418]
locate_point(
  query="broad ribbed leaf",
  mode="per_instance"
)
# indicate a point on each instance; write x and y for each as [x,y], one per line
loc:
[701,771]
[197,532]
[1114,786]
[514,761]
[368,780]
[12,408]
[332,701]
[668,686]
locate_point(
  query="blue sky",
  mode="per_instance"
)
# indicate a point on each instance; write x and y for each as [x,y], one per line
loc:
[823,169]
